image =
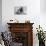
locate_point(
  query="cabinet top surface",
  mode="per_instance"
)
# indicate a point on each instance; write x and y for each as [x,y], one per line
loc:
[19,23]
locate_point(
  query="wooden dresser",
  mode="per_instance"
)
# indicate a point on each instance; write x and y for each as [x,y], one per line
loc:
[22,33]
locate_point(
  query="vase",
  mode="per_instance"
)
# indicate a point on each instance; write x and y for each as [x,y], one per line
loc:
[41,43]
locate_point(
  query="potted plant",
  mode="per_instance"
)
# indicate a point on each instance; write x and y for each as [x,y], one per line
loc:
[41,36]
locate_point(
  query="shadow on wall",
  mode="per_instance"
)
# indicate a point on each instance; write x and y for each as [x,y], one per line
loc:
[0,15]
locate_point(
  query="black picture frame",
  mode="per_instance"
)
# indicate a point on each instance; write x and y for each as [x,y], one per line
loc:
[20,10]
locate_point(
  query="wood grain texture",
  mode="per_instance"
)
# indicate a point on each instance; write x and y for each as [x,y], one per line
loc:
[23,27]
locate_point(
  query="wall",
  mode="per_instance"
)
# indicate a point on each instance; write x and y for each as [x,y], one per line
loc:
[8,10]
[0,15]
[43,14]
[43,6]
[33,14]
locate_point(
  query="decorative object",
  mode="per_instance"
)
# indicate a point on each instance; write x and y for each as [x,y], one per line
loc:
[20,10]
[27,21]
[41,36]
[13,21]
[7,38]
[1,40]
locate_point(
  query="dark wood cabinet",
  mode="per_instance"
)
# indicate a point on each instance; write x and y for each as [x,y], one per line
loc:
[22,33]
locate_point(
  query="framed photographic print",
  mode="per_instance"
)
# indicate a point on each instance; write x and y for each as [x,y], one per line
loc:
[20,10]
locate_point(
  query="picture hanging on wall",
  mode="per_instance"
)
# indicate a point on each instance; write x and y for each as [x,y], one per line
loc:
[21,10]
